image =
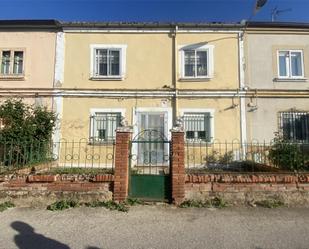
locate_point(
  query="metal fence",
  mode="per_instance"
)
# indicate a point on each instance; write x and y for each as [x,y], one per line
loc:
[246,157]
[83,153]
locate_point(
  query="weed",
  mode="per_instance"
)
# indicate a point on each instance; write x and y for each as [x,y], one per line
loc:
[216,202]
[6,205]
[63,204]
[111,205]
[134,202]
[273,203]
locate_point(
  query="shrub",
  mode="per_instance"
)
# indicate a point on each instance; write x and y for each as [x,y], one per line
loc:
[287,155]
[25,132]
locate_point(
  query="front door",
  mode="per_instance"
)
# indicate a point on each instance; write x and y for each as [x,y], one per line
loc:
[156,126]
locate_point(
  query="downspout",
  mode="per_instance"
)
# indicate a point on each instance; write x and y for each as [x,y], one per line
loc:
[175,74]
[243,123]
[58,98]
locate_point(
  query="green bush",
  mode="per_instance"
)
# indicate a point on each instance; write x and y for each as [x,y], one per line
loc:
[287,155]
[25,133]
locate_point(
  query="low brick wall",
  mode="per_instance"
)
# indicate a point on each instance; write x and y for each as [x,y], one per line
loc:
[38,190]
[293,189]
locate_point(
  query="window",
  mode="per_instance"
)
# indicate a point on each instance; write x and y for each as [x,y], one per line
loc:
[295,126]
[196,61]
[197,126]
[12,62]
[290,64]
[103,126]
[108,61]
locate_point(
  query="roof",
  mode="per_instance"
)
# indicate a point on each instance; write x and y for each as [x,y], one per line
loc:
[289,25]
[50,24]
[152,25]
[29,25]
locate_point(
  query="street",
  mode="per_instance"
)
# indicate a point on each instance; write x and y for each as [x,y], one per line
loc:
[156,226]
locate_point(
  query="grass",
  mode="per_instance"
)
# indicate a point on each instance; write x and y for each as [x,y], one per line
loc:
[271,203]
[6,205]
[215,202]
[80,171]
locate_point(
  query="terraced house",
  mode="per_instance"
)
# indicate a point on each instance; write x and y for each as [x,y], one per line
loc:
[277,67]
[27,55]
[149,74]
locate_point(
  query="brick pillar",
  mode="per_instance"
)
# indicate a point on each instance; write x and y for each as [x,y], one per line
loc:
[178,167]
[122,150]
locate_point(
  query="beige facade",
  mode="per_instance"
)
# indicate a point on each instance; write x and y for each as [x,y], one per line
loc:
[152,74]
[265,115]
[28,57]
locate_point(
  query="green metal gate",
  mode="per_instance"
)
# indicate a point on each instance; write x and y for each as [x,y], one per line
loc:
[149,162]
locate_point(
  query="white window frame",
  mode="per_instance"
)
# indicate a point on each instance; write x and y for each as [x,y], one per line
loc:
[289,64]
[183,111]
[210,60]
[11,66]
[122,60]
[94,111]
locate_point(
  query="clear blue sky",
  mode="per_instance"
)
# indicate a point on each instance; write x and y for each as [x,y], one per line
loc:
[151,10]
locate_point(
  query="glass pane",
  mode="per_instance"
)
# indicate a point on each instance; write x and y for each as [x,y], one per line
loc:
[201,63]
[18,62]
[114,62]
[106,124]
[101,62]
[296,64]
[5,64]
[189,63]
[197,126]
[283,56]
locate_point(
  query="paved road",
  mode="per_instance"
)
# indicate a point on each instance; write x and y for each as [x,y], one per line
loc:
[155,227]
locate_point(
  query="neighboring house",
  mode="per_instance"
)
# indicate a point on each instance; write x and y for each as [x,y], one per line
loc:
[150,74]
[277,71]
[27,56]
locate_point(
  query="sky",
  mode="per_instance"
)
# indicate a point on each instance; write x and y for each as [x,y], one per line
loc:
[153,10]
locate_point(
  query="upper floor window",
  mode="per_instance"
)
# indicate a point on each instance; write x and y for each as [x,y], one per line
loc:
[108,61]
[295,126]
[196,61]
[12,62]
[290,64]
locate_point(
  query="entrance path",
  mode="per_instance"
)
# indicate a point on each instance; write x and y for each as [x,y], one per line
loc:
[155,227]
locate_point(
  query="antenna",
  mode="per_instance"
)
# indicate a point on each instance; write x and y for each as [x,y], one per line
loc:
[275,12]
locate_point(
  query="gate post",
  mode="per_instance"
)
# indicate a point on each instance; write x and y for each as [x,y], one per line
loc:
[178,165]
[122,151]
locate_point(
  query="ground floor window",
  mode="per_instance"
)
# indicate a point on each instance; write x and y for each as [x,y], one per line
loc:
[294,126]
[103,126]
[197,126]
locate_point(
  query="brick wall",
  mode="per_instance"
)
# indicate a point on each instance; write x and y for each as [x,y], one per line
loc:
[122,150]
[178,167]
[48,188]
[239,188]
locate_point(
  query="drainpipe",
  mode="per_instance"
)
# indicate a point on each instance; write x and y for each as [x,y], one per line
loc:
[243,123]
[175,73]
